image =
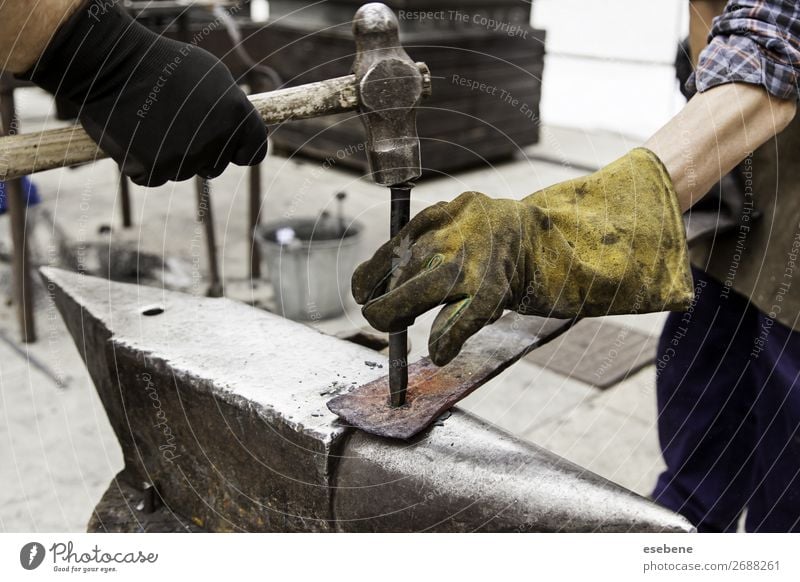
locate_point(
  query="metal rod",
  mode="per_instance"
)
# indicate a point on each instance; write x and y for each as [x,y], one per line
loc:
[125,200]
[400,212]
[340,196]
[17,208]
[258,83]
[254,214]
[204,214]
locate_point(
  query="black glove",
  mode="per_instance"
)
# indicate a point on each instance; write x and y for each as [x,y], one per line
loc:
[162,109]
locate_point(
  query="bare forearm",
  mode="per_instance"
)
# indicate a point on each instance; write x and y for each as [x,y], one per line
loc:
[715,131]
[26,27]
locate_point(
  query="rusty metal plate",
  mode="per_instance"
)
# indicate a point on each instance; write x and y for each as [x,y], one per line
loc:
[433,390]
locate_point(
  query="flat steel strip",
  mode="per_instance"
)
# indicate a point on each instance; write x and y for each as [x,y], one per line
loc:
[433,390]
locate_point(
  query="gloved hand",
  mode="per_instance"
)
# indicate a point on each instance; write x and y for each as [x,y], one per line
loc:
[609,243]
[163,110]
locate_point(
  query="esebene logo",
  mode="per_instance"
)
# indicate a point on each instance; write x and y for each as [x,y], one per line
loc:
[31,555]
[66,558]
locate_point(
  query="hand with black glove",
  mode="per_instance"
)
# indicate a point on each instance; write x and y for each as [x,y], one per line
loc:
[609,243]
[162,109]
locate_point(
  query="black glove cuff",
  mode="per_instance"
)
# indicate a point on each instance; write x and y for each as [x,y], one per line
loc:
[85,54]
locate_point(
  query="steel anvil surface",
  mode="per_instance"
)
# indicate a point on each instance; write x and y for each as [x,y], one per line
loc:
[222,409]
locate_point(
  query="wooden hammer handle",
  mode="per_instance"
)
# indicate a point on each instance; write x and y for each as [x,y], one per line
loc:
[25,154]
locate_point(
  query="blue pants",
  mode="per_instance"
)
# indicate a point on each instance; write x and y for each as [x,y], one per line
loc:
[729,414]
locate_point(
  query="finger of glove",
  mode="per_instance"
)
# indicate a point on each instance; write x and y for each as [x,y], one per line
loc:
[455,324]
[212,171]
[212,167]
[371,278]
[147,180]
[128,164]
[141,175]
[188,169]
[399,308]
[160,168]
[212,159]
[426,254]
[206,158]
[251,136]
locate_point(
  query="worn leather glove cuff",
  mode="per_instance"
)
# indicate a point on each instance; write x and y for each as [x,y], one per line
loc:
[609,243]
[84,55]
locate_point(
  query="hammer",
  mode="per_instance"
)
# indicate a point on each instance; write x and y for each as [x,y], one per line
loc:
[390,87]
[25,154]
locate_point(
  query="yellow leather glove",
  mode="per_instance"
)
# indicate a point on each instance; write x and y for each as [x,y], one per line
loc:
[609,243]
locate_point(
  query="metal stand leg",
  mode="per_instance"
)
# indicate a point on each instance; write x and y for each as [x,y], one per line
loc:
[204,215]
[258,82]
[125,200]
[17,209]
[255,208]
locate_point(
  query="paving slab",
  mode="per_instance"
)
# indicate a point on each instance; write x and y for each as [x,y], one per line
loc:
[58,451]
[597,352]
[526,396]
[620,446]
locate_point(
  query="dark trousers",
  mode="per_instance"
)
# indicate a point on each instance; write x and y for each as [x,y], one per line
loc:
[729,414]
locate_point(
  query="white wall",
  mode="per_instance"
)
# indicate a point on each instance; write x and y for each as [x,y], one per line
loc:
[610,63]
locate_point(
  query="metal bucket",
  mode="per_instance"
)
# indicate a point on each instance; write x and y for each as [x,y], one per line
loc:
[310,265]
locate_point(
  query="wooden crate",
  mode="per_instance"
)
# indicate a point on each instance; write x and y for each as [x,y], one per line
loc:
[486,83]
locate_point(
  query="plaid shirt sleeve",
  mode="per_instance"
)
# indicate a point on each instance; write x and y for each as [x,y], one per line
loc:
[756,42]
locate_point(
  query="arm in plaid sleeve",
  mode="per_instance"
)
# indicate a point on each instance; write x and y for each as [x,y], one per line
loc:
[755,42]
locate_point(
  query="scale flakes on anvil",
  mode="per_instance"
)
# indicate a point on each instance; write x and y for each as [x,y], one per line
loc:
[433,390]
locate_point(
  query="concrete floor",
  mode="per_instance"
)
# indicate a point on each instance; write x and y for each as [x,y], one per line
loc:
[57,449]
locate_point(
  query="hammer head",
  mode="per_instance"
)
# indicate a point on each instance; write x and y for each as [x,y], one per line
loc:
[390,87]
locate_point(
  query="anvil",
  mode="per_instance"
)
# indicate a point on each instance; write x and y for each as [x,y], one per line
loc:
[220,409]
